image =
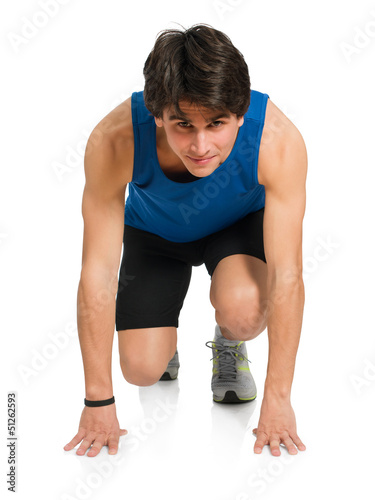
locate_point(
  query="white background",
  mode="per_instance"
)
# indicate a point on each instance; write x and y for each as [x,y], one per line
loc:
[59,78]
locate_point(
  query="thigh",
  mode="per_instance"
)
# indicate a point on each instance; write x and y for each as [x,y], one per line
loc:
[152,284]
[244,237]
[236,259]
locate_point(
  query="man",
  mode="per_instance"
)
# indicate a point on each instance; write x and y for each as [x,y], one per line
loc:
[216,175]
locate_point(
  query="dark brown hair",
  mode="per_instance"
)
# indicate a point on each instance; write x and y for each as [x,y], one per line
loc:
[199,65]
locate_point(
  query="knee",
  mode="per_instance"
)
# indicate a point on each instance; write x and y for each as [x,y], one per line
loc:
[241,312]
[142,372]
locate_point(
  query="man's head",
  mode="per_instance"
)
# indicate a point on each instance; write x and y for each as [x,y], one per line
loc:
[192,76]
[199,65]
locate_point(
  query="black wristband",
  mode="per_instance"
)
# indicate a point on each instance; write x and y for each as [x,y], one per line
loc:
[103,402]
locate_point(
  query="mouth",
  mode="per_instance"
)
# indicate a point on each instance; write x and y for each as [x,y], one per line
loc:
[201,161]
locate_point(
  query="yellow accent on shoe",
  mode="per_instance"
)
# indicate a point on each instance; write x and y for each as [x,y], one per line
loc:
[248,399]
[244,368]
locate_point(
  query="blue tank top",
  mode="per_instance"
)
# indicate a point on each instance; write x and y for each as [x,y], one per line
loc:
[182,212]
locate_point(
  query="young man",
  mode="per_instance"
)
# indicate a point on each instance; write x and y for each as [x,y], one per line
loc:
[216,175]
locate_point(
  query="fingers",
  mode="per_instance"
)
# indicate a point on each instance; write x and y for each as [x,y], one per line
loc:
[288,443]
[112,444]
[97,442]
[86,443]
[275,440]
[97,445]
[298,442]
[77,439]
[261,441]
[275,445]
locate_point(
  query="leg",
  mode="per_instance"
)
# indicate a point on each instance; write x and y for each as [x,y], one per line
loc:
[153,282]
[145,353]
[239,295]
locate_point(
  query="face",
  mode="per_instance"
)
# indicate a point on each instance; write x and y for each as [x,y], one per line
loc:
[203,139]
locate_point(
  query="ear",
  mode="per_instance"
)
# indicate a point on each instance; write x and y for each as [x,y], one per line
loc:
[158,121]
[240,121]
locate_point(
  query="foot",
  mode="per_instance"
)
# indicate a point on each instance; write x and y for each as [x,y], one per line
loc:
[172,369]
[232,381]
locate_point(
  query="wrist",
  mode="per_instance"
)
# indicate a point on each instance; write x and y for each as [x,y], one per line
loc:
[95,393]
[275,392]
[99,403]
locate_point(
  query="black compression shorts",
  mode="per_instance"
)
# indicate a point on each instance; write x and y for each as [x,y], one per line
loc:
[155,273]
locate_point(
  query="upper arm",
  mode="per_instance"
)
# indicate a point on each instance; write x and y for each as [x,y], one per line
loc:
[284,171]
[103,205]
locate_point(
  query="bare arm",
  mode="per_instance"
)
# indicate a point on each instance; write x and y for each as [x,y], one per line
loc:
[284,175]
[283,217]
[103,206]
[103,214]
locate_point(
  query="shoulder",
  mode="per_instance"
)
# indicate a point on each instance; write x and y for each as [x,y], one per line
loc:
[112,143]
[282,152]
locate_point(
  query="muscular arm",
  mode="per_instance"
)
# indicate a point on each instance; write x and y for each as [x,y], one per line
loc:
[283,217]
[103,214]
[284,170]
[103,203]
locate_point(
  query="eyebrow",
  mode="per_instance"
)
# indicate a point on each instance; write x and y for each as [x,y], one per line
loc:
[211,119]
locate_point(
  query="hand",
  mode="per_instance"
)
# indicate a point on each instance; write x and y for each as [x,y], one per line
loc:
[277,425]
[98,426]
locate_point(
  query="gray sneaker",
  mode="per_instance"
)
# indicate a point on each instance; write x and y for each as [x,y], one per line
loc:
[172,369]
[231,381]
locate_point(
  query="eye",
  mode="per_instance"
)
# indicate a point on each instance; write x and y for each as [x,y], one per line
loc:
[217,123]
[183,124]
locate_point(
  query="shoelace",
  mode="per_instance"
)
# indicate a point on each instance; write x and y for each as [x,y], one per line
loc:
[227,358]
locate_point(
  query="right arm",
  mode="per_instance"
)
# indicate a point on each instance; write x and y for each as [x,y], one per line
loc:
[103,213]
[103,205]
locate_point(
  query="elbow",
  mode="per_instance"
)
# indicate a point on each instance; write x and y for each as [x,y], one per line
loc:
[290,277]
[96,278]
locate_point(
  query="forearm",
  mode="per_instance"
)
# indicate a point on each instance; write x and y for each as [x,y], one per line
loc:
[96,323]
[284,330]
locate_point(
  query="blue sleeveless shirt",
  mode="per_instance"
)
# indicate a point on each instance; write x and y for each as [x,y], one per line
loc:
[182,212]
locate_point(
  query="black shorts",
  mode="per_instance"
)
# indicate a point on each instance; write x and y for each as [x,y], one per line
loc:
[155,273]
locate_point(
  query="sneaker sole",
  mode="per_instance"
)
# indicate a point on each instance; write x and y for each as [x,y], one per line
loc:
[167,376]
[231,397]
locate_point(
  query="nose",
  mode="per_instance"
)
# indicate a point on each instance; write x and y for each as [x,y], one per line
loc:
[199,145]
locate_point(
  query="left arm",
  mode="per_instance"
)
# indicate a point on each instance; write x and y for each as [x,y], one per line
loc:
[284,170]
